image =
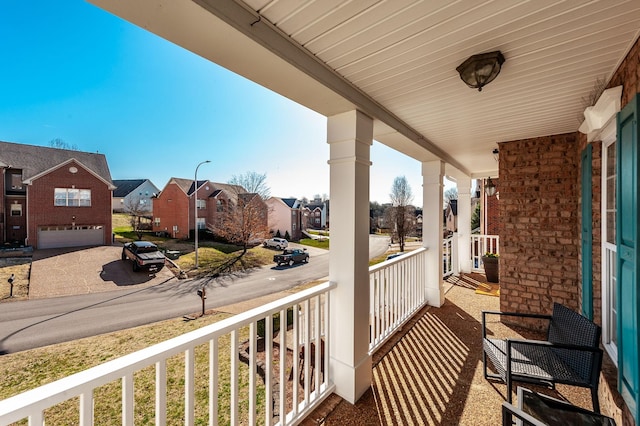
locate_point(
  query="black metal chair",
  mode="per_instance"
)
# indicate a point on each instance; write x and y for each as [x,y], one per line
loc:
[534,409]
[570,354]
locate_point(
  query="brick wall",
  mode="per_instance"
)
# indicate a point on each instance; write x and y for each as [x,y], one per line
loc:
[539,234]
[492,210]
[42,212]
[173,209]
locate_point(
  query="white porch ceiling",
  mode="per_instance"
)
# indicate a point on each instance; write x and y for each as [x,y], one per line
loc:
[396,61]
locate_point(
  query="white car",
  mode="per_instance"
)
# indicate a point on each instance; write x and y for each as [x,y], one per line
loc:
[279,243]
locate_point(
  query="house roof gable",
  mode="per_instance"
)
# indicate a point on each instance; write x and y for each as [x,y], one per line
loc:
[36,161]
[125,187]
[108,183]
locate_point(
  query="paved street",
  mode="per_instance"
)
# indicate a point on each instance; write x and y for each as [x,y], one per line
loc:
[40,322]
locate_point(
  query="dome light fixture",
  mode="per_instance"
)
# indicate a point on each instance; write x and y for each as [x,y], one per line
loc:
[480,70]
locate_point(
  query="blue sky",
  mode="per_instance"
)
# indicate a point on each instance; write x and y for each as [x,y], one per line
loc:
[73,71]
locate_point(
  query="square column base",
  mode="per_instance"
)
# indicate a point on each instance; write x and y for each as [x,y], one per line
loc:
[351,382]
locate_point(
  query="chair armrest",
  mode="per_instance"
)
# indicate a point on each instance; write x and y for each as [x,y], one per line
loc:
[552,345]
[510,314]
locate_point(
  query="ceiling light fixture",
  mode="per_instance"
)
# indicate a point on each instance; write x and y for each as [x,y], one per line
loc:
[480,70]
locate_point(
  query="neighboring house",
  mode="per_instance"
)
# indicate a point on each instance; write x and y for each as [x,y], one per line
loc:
[173,208]
[451,216]
[54,197]
[133,194]
[285,216]
[315,214]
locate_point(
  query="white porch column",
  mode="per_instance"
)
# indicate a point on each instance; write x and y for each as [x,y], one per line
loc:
[350,136]
[432,211]
[464,223]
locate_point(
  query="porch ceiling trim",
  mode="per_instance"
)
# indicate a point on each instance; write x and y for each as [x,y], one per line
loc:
[267,35]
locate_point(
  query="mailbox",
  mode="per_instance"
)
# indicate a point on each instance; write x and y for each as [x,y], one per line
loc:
[202,293]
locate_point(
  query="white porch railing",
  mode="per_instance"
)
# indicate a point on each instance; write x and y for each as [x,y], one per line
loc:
[396,292]
[481,244]
[233,397]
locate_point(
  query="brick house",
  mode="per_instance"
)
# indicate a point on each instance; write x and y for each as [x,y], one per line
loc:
[54,197]
[315,214]
[173,212]
[133,194]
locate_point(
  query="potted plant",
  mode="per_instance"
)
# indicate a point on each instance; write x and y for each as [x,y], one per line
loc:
[491,266]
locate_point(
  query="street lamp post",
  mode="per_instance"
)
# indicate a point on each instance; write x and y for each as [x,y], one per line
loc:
[195,208]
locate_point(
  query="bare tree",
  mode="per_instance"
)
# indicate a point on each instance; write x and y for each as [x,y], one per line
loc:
[400,210]
[450,194]
[253,183]
[242,221]
[138,214]
[61,144]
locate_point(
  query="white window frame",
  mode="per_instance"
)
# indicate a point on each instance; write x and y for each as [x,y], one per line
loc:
[608,253]
[156,221]
[71,197]
[201,224]
[201,204]
[16,208]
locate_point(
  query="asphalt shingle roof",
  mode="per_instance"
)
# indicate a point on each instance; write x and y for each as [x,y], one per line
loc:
[125,186]
[34,160]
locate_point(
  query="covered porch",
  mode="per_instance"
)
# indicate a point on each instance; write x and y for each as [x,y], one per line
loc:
[384,72]
[430,373]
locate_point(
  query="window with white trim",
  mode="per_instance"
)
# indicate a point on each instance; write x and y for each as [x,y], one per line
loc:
[16,209]
[72,197]
[202,204]
[201,223]
[609,249]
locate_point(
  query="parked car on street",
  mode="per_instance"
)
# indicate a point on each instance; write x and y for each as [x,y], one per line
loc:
[144,254]
[291,256]
[279,243]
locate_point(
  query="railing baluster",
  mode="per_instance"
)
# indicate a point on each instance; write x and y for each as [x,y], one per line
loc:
[127,400]
[213,380]
[233,355]
[189,377]
[307,342]
[284,323]
[161,392]
[294,362]
[268,351]
[252,373]
[86,408]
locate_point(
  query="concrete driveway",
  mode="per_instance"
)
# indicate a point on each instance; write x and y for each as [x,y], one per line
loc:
[70,271]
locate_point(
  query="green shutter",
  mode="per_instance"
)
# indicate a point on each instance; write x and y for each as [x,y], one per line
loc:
[587,235]
[627,239]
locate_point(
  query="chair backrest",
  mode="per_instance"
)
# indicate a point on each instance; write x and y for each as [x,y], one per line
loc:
[569,327]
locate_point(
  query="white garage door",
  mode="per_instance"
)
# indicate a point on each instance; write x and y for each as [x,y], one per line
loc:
[70,236]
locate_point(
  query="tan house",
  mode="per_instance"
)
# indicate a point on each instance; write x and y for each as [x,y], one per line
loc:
[285,217]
